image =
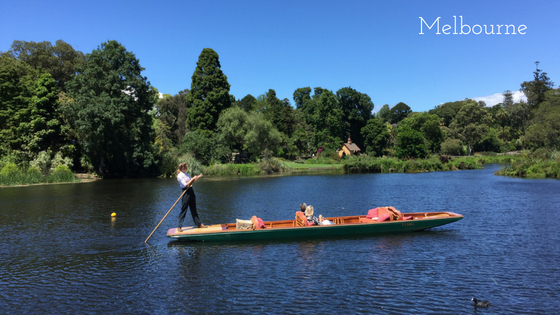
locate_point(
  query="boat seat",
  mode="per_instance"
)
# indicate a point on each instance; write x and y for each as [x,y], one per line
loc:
[368,220]
[371,216]
[301,219]
[337,220]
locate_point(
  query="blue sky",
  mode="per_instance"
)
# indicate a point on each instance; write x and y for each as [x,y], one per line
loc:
[373,46]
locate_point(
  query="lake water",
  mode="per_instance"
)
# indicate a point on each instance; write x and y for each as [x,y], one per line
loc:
[60,251]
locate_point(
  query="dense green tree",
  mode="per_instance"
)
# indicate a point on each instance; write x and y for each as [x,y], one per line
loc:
[14,95]
[429,126]
[302,135]
[209,93]
[109,109]
[376,137]
[206,146]
[172,114]
[302,96]
[305,104]
[163,136]
[471,123]
[535,90]
[508,99]
[58,60]
[279,113]
[489,143]
[248,132]
[519,114]
[452,147]
[232,125]
[356,111]
[399,112]
[410,144]
[501,121]
[44,127]
[248,103]
[494,110]
[288,118]
[384,114]
[261,135]
[323,112]
[29,117]
[327,119]
[447,111]
[544,129]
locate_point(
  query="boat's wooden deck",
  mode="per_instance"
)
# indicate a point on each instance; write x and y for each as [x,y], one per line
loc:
[282,224]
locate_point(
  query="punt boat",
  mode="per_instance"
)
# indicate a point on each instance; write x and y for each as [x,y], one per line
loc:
[344,226]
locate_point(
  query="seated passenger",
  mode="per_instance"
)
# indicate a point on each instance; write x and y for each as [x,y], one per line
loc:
[324,221]
[302,207]
[310,217]
[313,219]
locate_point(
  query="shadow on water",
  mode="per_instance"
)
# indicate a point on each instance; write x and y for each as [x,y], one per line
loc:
[433,234]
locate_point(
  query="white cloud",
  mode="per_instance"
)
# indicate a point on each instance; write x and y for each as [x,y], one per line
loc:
[494,99]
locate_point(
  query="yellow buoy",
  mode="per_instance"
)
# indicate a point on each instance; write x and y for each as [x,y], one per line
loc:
[113,214]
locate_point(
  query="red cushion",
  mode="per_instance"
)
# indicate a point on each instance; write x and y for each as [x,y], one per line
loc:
[384,217]
[372,213]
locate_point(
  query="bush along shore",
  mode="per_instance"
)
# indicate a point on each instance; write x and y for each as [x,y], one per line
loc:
[11,175]
[41,170]
[362,164]
[539,164]
[266,166]
[432,164]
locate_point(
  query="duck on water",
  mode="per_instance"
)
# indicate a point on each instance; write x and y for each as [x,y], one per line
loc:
[478,303]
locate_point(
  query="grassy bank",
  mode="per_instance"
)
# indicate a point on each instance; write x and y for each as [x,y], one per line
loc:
[12,175]
[362,164]
[312,166]
[394,165]
[268,166]
[543,164]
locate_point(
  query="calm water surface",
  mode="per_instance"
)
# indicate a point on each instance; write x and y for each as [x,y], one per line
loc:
[60,251]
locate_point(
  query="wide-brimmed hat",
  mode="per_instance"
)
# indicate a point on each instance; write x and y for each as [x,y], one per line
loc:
[309,211]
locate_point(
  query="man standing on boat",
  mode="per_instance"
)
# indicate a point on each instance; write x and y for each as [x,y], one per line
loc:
[189,198]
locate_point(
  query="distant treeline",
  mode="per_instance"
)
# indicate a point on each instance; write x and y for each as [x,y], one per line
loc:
[96,113]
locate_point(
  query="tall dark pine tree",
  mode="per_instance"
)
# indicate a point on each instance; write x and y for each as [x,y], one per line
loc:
[534,90]
[209,93]
[508,100]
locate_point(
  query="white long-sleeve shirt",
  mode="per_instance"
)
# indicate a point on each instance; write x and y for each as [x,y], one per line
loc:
[183,179]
